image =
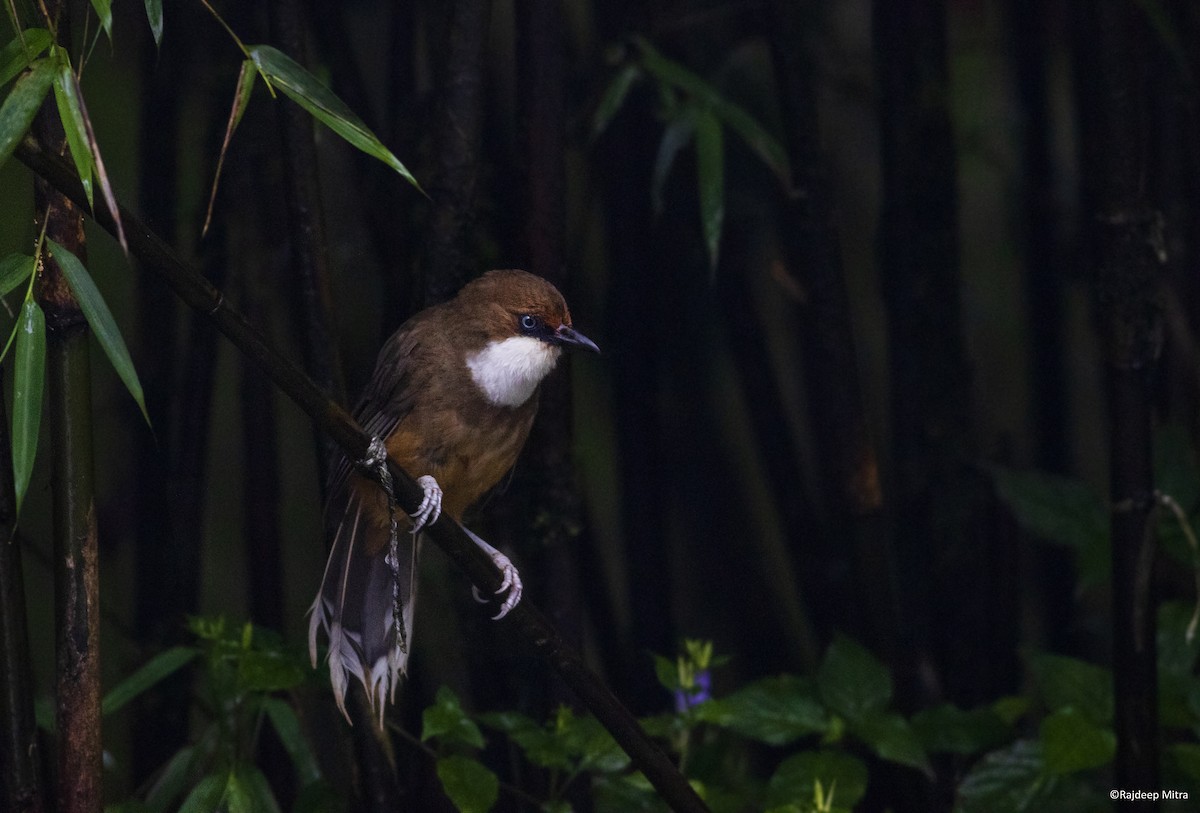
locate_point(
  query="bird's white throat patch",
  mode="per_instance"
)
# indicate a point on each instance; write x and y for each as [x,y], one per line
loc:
[509,371]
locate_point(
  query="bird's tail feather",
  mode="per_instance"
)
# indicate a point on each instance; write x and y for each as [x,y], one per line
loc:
[354,606]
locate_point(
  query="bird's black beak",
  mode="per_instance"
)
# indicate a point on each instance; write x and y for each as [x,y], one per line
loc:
[571,338]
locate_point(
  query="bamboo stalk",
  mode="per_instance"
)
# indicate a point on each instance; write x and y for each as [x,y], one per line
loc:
[1125,238]
[458,132]
[76,567]
[306,224]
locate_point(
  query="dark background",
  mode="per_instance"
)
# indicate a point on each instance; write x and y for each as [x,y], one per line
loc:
[794,442]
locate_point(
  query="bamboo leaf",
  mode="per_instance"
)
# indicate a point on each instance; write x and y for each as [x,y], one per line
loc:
[154,14]
[100,319]
[15,270]
[287,726]
[302,87]
[675,137]
[614,96]
[710,174]
[158,668]
[110,199]
[207,794]
[66,96]
[249,792]
[29,374]
[104,12]
[171,780]
[241,98]
[18,54]
[735,117]
[18,110]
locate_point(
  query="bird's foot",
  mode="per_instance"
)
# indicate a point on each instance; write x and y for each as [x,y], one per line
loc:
[430,508]
[511,583]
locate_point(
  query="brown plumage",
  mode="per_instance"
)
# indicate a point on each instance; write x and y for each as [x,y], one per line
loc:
[453,396]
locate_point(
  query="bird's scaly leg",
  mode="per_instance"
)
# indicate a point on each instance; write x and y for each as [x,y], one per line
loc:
[511,582]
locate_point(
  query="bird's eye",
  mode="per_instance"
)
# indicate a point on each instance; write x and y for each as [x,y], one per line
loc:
[529,323]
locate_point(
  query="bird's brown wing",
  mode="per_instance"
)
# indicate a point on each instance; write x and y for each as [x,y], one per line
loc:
[389,396]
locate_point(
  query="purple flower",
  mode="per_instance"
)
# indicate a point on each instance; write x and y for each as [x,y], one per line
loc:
[701,690]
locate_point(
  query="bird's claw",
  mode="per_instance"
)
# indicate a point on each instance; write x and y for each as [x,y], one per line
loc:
[430,508]
[511,583]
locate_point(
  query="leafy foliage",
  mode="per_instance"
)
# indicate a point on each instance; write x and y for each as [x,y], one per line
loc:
[243,670]
[816,732]
[694,112]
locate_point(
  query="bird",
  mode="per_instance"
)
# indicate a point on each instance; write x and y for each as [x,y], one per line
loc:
[452,398]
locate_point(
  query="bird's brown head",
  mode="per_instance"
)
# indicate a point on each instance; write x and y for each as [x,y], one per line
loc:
[523,325]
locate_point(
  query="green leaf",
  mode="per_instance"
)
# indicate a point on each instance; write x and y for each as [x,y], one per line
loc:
[283,72]
[667,673]
[241,99]
[1072,742]
[542,747]
[22,103]
[507,721]
[207,794]
[1011,708]
[762,143]
[446,720]
[158,668]
[238,798]
[676,136]
[14,272]
[852,681]
[29,374]
[66,96]
[950,730]
[171,780]
[154,15]
[82,139]
[104,12]
[1070,683]
[776,710]
[287,726]
[795,779]
[889,735]
[18,54]
[471,786]
[627,793]
[614,96]
[249,791]
[710,174]
[1011,779]
[100,320]
[597,751]
[270,670]
[1062,511]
